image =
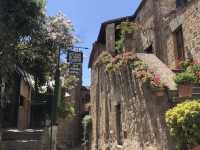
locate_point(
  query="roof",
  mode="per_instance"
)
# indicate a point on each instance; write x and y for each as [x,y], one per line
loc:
[118,20]
[26,76]
[102,32]
[103,26]
[142,3]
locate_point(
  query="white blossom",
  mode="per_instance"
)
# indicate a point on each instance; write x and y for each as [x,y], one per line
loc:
[60,30]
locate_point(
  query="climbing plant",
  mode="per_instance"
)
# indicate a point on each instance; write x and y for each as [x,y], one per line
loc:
[65,108]
[87,124]
[124,28]
[129,60]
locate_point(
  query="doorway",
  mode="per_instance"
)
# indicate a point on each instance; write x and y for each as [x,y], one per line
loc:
[118,124]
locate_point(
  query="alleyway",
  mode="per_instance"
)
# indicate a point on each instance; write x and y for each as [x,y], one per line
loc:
[133,84]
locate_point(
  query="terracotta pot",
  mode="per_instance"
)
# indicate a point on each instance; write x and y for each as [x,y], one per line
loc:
[185,90]
[158,92]
[196,148]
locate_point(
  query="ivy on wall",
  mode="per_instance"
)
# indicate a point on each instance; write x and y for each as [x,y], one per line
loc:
[129,60]
[124,28]
[87,124]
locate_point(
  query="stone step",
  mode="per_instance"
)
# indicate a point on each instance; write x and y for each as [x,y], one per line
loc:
[177,100]
[196,95]
[196,89]
[21,145]
[176,71]
[29,134]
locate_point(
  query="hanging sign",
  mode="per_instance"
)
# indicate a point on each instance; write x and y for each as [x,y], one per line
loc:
[75,68]
[74,57]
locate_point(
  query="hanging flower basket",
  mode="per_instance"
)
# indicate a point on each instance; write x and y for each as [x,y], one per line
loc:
[185,90]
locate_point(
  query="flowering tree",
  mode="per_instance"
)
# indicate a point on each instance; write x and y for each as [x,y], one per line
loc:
[29,38]
[40,57]
[60,31]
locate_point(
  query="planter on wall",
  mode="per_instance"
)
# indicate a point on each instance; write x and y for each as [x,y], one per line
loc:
[185,90]
[196,148]
[158,91]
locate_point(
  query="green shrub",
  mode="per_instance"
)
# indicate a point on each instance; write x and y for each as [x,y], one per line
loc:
[184,123]
[195,68]
[185,64]
[123,29]
[138,65]
[185,78]
[103,59]
[111,67]
[87,124]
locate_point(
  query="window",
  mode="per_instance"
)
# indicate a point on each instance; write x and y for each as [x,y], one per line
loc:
[119,124]
[21,102]
[180,3]
[179,44]
[149,50]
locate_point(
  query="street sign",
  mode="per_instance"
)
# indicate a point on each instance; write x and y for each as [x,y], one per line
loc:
[74,57]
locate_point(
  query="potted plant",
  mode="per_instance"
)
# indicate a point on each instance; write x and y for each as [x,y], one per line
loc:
[184,124]
[154,83]
[157,86]
[181,66]
[196,148]
[184,81]
[195,69]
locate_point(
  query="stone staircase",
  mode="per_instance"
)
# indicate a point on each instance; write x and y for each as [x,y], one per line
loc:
[167,77]
[173,95]
[196,92]
[21,140]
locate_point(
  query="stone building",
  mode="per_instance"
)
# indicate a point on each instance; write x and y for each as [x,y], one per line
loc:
[70,132]
[16,100]
[126,114]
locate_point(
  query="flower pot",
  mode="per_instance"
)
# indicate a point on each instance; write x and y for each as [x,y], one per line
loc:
[158,92]
[185,90]
[196,147]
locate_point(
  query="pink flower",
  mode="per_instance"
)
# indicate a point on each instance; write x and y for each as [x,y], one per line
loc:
[198,75]
[157,80]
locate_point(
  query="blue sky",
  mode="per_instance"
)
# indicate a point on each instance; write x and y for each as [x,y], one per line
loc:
[87,16]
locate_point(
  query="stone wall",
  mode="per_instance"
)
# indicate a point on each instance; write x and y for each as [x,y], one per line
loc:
[142,125]
[159,20]
[69,133]
[191,33]
[189,18]
[145,18]
[142,113]
[69,129]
